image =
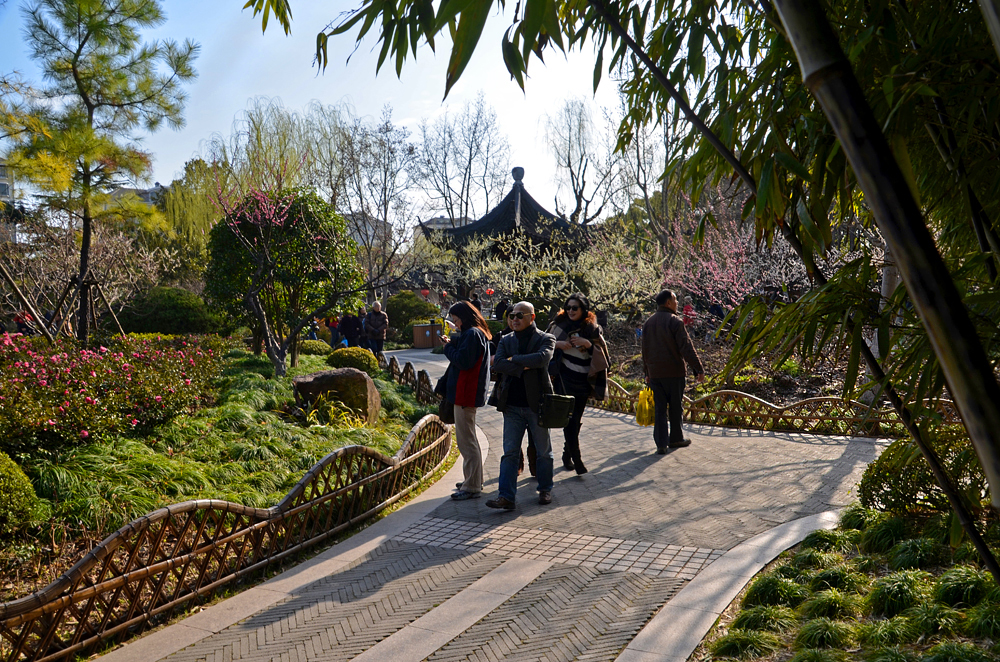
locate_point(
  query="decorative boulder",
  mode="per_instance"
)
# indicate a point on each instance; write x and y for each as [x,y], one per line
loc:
[350,386]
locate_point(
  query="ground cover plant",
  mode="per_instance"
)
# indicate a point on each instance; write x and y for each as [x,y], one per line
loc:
[247,442]
[911,596]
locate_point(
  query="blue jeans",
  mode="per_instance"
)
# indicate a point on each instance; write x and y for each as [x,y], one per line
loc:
[517,420]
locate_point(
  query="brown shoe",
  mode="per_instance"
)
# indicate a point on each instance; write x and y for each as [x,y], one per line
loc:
[681,444]
[544,498]
[500,502]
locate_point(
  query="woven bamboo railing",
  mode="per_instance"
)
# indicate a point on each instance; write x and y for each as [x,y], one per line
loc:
[152,566]
[815,415]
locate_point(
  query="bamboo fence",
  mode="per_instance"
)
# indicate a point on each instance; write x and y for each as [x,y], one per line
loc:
[158,563]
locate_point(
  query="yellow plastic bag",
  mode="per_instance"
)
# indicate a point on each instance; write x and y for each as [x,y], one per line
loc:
[645,409]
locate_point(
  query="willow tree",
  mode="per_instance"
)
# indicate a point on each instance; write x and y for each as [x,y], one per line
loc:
[102,85]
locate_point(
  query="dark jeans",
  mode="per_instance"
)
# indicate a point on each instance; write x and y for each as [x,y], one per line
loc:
[667,394]
[376,345]
[571,433]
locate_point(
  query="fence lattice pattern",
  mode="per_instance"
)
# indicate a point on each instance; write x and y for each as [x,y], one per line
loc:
[815,415]
[159,562]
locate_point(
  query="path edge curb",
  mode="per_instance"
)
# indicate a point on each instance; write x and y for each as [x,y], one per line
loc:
[677,629]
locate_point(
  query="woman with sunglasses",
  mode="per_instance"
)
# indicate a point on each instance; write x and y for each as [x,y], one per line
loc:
[579,368]
[468,373]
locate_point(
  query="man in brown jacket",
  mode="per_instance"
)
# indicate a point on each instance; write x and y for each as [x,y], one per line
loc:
[665,348]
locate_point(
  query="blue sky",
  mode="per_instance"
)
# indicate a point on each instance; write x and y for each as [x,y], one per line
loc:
[237,63]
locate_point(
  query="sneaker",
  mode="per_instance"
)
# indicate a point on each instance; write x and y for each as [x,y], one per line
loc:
[545,498]
[680,444]
[462,495]
[661,450]
[500,502]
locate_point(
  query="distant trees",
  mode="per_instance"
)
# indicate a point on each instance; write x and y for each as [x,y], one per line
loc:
[73,138]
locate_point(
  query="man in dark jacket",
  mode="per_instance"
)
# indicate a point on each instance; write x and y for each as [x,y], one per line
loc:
[665,348]
[376,322]
[522,360]
[351,328]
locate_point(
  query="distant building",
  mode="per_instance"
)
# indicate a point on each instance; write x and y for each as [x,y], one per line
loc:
[149,196]
[8,226]
[368,231]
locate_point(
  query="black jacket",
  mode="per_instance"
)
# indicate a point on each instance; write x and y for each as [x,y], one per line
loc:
[532,367]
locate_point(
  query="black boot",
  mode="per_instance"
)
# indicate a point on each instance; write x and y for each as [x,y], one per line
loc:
[567,462]
[578,465]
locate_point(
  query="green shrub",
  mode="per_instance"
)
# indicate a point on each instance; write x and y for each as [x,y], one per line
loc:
[856,517]
[774,590]
[496,326]
[405,307]
[900,481]
[830,541]
[17,497]
[881,536]
[813,558]
[824,633]
[962,586]
[956,651]
[795,573]
[895,593]
[354,357]
[819,655]
[891,654]
[866,564]
[983,621]
[839,577]
[932,618]
[314,348]
[832,604]
[168,310]
[889,632]
[772,618]
[916,553]
[744,644]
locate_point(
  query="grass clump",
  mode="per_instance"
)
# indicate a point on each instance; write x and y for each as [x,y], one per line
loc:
[745,644]
[881,536]
[774,590]
[962,586]
[831,603]
[956,651]
[824,633]
[813,558]
[983,621]
[826,540]
[916,553]
[819,655]
[888,632]
[857,518]
[932,618]
[839,577]
[770,618]
[891,654]
[866,564]
[897,592]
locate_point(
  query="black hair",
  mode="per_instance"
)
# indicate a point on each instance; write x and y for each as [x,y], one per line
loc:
[664,296]
[470,317]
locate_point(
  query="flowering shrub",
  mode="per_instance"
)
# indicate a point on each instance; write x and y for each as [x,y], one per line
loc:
[58,396]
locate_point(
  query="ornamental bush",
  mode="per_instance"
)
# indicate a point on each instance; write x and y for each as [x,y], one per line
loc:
[354,357]
[57,396]
[405,307]
[314,347]
[17,496]
[168,310]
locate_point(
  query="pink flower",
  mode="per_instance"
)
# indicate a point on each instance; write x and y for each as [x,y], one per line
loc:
[135,421]
[50,422]
[84,434]
[89,400]
[158,398]
[187,382]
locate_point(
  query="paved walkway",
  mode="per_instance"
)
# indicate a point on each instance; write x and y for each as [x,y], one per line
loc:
[632,561]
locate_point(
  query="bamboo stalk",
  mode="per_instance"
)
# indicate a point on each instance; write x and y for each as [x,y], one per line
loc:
[968,372]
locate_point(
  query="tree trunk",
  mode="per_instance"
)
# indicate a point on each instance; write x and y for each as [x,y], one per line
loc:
[83,311]
[966,367]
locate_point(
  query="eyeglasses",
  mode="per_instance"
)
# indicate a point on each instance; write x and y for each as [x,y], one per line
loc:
[573,308]
[518,316]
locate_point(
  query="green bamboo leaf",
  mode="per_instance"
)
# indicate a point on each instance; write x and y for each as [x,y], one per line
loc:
[449,9]
[598,69]
[534,15]
[551,23]
[792,165]
[512,59]
[764,188]
[470,29]
[883,336]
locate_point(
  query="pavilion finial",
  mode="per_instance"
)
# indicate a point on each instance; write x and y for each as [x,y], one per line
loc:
[518,173]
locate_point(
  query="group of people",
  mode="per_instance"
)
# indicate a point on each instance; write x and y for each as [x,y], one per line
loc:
[570,358]
[366,329]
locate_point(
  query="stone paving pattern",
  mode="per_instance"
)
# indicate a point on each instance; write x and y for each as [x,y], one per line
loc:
[623,539]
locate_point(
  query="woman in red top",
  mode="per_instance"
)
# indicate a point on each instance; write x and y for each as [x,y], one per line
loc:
[468,353]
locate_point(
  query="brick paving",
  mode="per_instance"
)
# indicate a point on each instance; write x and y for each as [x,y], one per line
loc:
[616,545]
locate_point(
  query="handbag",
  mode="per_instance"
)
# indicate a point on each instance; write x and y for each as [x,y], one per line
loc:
[556,410]
[645,408]
[446,412]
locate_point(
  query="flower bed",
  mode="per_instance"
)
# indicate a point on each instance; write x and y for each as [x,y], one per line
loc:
[59,396]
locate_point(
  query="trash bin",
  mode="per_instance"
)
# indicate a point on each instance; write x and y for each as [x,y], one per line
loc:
[425,336]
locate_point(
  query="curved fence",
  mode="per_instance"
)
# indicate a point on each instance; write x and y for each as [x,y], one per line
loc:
[814,415]
[159,562]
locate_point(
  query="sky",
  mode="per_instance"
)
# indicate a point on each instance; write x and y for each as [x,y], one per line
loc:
[238,63]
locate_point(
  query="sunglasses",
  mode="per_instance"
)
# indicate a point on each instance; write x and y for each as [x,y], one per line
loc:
[518,316]
[573,308]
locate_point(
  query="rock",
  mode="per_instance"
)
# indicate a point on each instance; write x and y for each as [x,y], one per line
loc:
[350,386]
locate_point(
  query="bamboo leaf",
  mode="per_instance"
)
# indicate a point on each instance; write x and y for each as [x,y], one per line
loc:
[470,29]
[883,336]
[851,378]
[764,188]
[598,69]
[792,165]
